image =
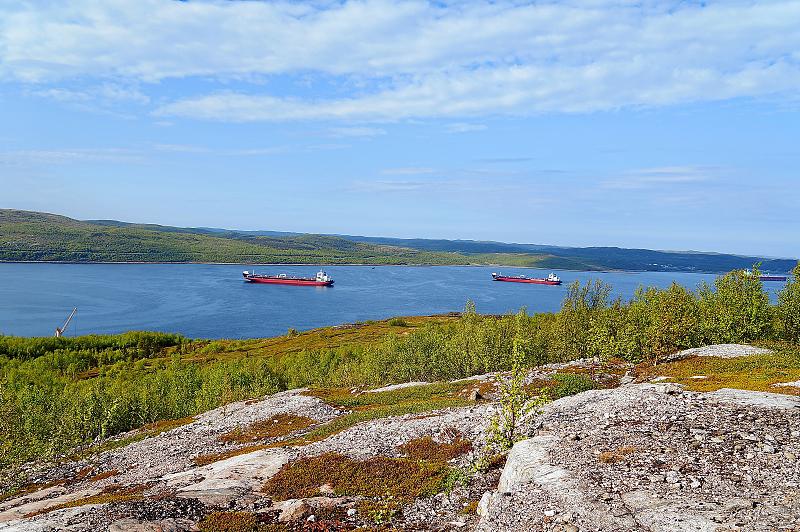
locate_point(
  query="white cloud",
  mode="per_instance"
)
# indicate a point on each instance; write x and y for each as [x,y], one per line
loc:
[393,186]
[463,127]
[413,59]
[180,148]
[67,156]
[107,93]
[669,176]
[408,170]
[363,132]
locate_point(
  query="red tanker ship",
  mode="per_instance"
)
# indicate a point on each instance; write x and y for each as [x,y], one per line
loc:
[551,279]
[322,279]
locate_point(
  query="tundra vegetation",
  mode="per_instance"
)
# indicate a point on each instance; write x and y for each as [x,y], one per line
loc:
[58,396]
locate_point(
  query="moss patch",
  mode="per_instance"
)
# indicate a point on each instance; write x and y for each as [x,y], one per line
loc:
[754,372]
[615,456]
[276,426]
[401,478]
[471,508]
[428,449]
[239,522]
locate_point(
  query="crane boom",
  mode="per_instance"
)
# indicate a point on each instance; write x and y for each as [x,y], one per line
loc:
[60,330]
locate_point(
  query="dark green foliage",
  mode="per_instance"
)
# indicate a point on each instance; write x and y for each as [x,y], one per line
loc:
[136,344]
[789,307]
[47,412]
[736,310]
[570,384]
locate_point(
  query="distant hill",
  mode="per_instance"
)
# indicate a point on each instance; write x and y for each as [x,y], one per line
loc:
[606,258]
[35,236]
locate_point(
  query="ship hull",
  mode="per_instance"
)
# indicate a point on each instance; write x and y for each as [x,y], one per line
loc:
[527,280]
[287,281]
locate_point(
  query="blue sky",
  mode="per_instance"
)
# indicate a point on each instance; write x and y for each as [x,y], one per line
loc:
[668,125]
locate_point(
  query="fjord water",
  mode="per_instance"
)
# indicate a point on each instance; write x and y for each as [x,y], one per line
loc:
[212,301]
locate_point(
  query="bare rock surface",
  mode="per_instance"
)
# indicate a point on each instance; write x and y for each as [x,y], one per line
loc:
[400,386]
[219,482]
[719,351]
[382,436]
[654,457]
[751,398]
[166,461]
[793,384]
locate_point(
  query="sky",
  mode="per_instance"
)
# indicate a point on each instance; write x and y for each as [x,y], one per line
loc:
[649,123]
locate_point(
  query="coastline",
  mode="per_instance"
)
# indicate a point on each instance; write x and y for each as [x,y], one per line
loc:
[327,264]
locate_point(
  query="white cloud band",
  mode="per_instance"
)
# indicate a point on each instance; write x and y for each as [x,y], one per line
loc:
[414,59]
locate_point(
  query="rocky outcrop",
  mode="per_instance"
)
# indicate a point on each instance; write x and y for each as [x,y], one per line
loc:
[654,457]
[635,457]
[718,351]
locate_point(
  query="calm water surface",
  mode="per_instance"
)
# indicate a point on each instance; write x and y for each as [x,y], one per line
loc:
[212,301]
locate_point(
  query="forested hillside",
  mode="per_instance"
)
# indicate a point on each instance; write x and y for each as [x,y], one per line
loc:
[29,236]
[34,236]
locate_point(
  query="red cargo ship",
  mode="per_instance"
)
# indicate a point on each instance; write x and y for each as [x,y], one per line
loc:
[321,279]
[551,279]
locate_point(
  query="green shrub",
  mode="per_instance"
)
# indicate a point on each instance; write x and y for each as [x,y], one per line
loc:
[571,384]
[789,307]
[737,310]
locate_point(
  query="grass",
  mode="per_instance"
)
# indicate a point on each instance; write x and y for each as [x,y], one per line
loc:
[561,385]
[276,426]
[351,335]
[754,372]
[401,478]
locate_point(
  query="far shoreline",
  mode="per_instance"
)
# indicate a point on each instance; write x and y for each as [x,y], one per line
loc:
[321,264]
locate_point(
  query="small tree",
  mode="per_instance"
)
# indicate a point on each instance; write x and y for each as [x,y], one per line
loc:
[581,314]
[737,310]
[515,403]
[789,307]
